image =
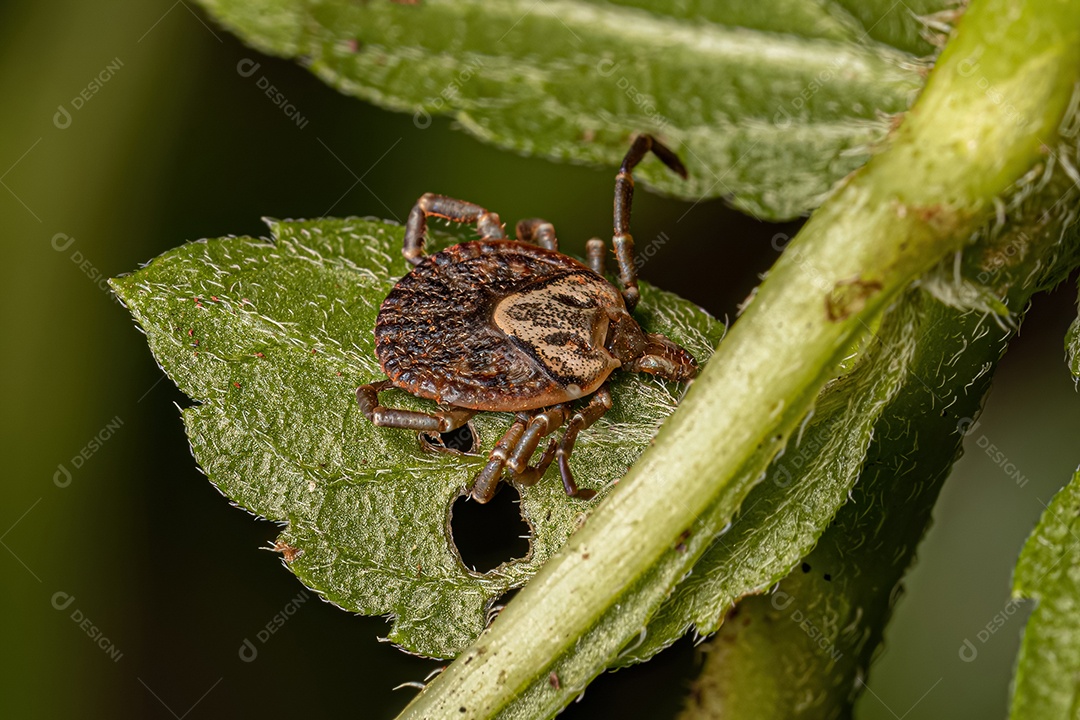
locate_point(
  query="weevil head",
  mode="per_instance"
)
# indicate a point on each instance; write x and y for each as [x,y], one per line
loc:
[625,339]
[639,351]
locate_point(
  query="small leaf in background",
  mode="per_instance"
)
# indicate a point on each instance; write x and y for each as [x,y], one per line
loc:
[271,340]
[769,103]
[1047,683]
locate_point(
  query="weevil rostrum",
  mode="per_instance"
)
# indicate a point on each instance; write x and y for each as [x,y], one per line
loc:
[515,326]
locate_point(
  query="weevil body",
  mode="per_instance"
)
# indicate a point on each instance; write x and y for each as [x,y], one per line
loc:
[516,326]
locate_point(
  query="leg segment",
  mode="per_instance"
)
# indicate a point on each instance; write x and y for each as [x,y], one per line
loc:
[487,480]
[537,231]
[599,404]
[487,223]
[596,255]
[531,474]
[516,447]
[524,435]
[368,398]
[540,426]
[624,196]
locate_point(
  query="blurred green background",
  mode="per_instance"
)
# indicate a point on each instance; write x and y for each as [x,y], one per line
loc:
[130,585]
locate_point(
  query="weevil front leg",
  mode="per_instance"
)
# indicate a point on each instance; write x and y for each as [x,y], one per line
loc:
[624,196]
[596,255]
[443,421]
[487,223]
[542,233]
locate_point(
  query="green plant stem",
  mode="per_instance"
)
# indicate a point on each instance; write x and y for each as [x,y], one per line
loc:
[961,147]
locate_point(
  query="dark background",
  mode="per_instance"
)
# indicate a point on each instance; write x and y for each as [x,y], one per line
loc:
[177,145]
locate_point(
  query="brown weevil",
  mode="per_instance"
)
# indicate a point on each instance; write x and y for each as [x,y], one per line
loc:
[515,326]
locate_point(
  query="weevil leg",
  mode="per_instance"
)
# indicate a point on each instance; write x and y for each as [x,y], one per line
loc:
[622,241]
[540,426]
[486,481]
[540,232]
[596,255]
[445,420]
[515,449]
[598,404]
[487,223]
[530,475]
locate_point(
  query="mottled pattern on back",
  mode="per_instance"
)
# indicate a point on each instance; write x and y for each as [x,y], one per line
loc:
[436,336]
[562,323]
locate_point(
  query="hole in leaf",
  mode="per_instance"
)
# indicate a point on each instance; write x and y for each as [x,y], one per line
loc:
[460,441]
[487,536]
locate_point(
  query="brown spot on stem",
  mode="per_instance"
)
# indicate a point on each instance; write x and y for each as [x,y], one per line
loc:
[849,297]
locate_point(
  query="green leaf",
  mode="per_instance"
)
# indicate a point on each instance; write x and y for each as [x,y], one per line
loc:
[271,340]
[1034,250]
[1047,684]
[916,26]
[770,102]
[1072,348]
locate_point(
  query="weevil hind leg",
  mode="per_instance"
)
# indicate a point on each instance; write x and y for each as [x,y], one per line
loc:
[367,396]
[532,474]
[598,404]
[516,447]
[486,482]
[487,223]
[540,426]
